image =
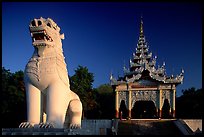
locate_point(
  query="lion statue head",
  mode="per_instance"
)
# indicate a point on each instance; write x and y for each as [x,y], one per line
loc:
[45,32]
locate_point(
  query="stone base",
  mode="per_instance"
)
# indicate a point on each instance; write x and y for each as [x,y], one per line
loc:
[44,131]
[89,127]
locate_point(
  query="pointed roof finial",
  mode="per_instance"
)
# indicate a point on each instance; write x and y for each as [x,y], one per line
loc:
[141,26]
[124,65]
[111,75]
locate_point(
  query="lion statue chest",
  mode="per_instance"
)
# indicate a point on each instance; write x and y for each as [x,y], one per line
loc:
[46,66]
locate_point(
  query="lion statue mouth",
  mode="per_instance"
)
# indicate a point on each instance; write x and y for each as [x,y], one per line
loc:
[40,37]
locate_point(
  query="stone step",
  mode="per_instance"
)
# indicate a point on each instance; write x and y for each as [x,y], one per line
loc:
[42,131]
[88,127]
[147,127]
[34,133]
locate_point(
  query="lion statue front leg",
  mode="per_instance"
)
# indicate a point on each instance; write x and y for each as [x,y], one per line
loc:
[66,100]
[33,96]
[56,104]
[75,113]
[55,114]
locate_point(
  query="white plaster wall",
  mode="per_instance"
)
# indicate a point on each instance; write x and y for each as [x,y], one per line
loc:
[95,125]
[194,124]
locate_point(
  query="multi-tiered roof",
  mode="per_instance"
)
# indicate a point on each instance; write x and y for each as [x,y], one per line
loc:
[143,66]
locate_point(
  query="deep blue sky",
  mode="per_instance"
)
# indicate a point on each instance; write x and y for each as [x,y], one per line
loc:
[103,36]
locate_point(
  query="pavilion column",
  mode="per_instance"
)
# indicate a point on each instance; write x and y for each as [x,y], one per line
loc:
[129,103]
[160,104]
[173,103]
[116,105]
[157,103]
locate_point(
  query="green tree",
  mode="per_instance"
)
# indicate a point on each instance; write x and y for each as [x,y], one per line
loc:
[189,105]
[106,101]
[81,83]
[13,108]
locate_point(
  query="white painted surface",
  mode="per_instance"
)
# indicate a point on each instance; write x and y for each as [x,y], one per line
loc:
[194,124]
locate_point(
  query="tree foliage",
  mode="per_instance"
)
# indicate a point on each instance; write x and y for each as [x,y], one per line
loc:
[98,102]
[189,105]
[81,83]
[13,107]
[106,101]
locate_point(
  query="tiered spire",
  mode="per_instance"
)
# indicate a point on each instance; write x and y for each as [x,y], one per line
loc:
[141,57]
[142,60]
[141,26]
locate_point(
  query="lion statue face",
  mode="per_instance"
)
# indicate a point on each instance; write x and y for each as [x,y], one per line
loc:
[45,32]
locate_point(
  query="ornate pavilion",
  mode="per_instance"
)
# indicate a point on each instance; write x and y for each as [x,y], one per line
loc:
[144,86]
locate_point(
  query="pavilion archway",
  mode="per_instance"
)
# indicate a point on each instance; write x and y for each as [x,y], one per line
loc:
[166,109]
[144,109]
[123,111]
[161,102]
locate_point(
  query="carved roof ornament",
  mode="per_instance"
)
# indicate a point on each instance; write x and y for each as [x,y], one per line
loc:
[143,60]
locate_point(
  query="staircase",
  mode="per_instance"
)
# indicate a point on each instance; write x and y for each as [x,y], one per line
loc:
[147,127]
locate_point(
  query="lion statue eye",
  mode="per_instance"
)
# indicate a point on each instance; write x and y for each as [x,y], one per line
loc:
[33,23]
[49,25]
[39,23]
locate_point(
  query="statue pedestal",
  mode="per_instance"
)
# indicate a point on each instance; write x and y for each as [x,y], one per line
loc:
[89,127]
[44,131]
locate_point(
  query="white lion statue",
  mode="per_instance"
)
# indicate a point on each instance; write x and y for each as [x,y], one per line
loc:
[46,80]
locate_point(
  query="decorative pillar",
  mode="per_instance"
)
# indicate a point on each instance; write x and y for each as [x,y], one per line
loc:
[157,113]
[129,103]
[160,103]
[157,103]
[116,105]
[173,102]
[170,112]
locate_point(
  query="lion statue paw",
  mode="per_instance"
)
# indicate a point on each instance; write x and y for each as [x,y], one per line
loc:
[45,125]
[75,126]
[26,125]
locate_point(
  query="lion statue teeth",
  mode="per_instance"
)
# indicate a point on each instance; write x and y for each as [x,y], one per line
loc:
[46,80]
